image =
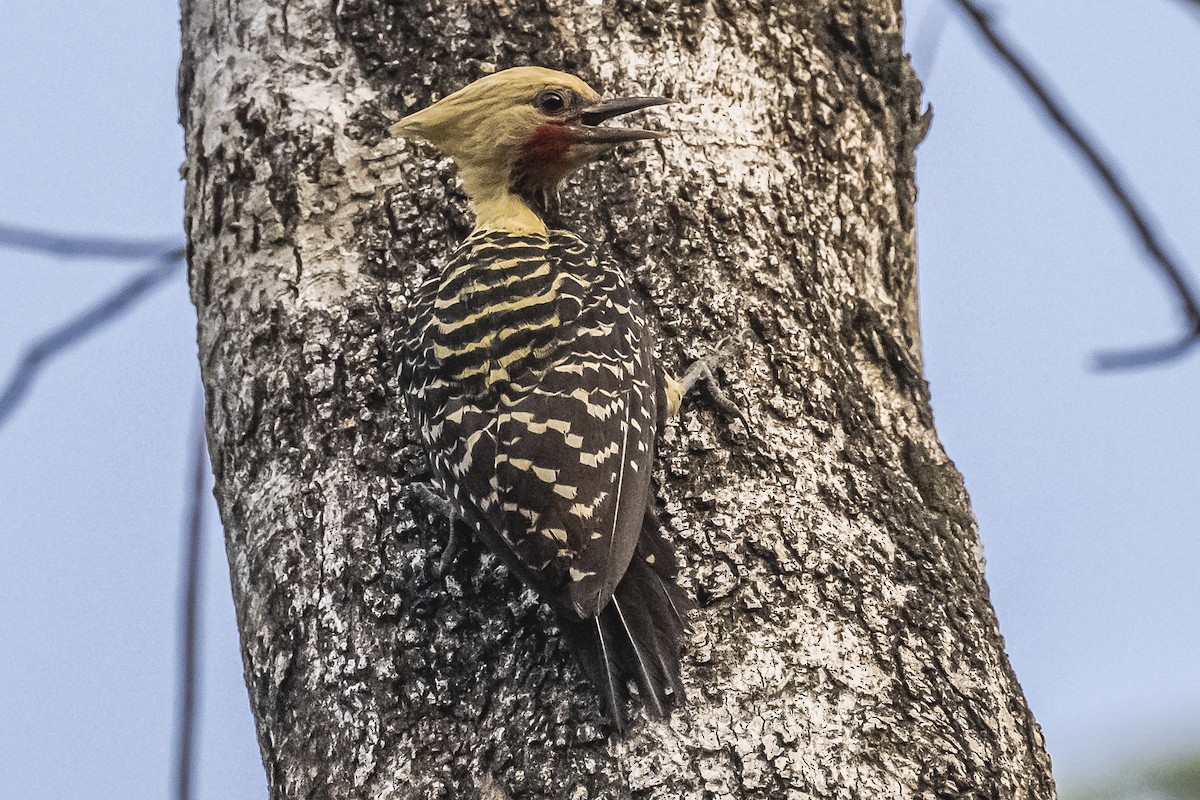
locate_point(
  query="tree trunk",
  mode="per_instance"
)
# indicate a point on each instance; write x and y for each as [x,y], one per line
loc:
[845,645]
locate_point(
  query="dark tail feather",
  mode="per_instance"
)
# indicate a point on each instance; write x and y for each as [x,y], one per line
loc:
[605,676]
[639,635]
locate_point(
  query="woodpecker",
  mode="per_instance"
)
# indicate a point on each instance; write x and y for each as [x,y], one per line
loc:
[531,380]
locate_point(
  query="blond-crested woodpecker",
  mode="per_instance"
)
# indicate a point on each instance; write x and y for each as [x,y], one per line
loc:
[531,379]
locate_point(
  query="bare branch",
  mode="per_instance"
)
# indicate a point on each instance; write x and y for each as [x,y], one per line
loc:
[57,341]
[1149,356]
[80,246]
[189,599]
[1138,218]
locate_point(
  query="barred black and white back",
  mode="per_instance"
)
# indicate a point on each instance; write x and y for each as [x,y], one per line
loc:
[531,380]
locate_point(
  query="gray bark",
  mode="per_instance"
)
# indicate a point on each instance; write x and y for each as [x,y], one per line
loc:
[845,645]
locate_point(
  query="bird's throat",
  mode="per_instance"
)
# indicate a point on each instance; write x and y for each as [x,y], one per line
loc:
[504,211]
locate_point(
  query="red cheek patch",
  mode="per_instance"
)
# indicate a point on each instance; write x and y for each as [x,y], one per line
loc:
[546,153]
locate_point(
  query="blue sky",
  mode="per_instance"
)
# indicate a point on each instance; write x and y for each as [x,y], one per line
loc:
[1085,484]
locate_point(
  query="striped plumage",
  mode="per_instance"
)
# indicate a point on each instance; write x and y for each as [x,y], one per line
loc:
[533,385]
[531,380]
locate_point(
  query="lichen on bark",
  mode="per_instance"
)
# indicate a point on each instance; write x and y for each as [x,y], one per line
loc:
[845,645]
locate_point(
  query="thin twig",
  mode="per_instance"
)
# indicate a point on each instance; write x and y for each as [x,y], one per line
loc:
[57,341]
[1138,218]
[80,246]
[189,599]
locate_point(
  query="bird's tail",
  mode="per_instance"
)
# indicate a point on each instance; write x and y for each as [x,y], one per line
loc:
[638,636]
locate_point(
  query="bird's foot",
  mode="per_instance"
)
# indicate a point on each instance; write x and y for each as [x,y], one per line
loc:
[439,503]
[702,372]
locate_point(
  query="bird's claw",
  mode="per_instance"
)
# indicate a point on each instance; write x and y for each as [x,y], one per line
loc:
[702,372]
[439,503]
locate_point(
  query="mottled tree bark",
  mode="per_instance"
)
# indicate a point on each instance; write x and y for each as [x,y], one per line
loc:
[845,645]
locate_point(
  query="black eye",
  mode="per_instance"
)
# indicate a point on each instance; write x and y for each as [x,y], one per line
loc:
[551,101]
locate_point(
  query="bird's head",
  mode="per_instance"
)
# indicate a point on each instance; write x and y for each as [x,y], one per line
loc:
[522,130]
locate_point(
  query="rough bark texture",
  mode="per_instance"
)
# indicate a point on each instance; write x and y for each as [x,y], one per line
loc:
[845,645]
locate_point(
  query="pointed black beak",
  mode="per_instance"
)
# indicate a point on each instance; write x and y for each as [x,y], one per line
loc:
[593,115]
[607,109]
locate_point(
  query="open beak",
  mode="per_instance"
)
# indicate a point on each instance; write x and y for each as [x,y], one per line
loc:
[590,132]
